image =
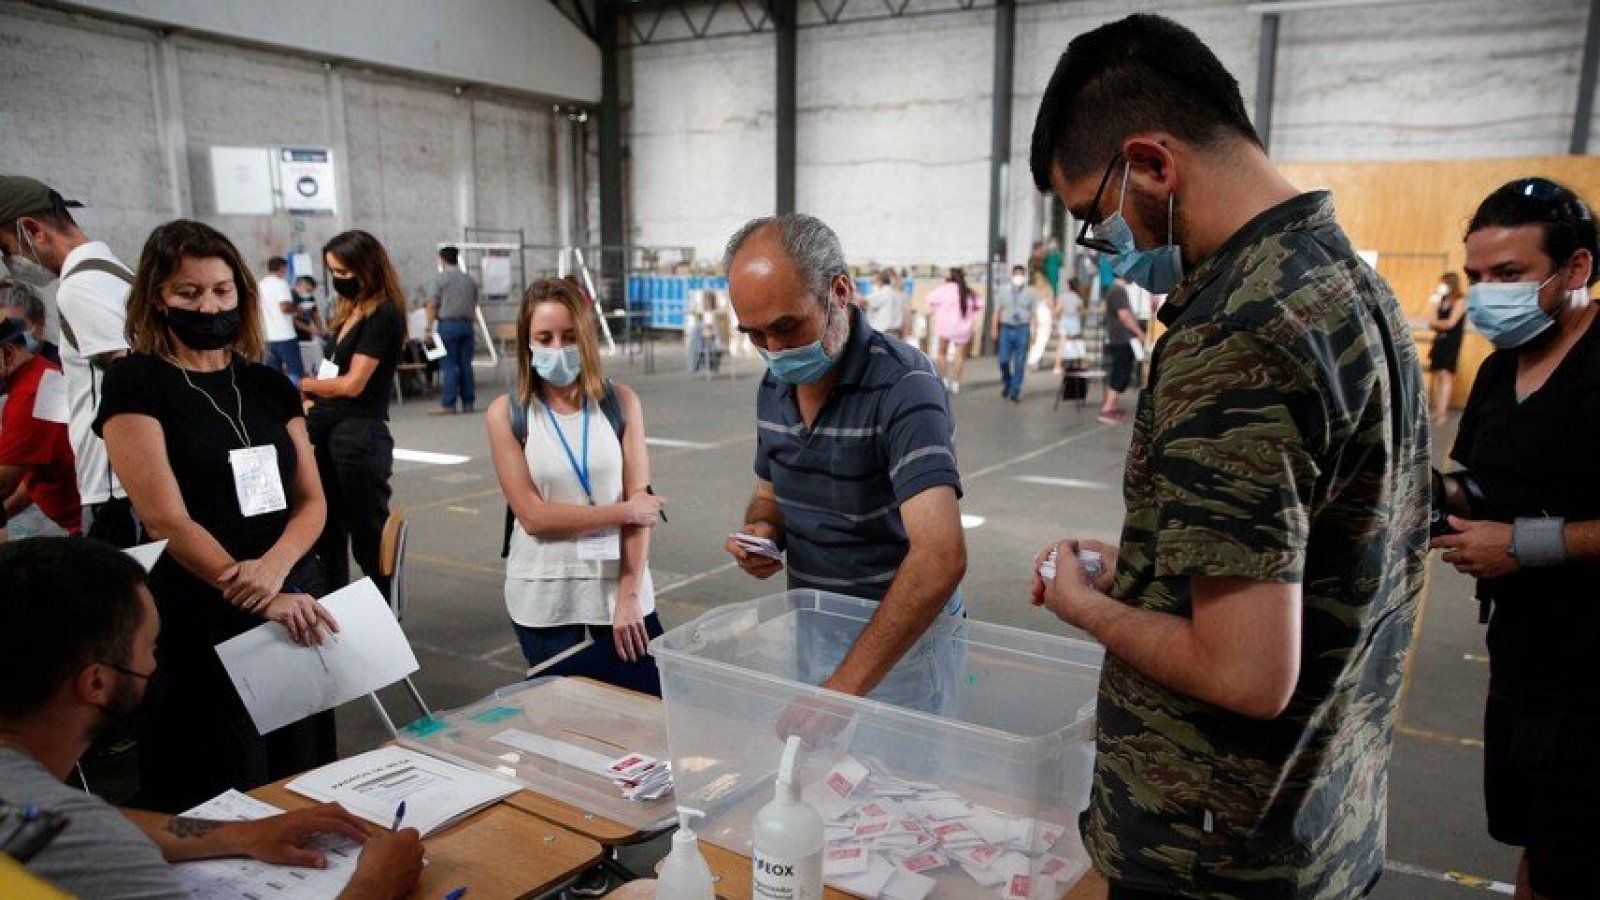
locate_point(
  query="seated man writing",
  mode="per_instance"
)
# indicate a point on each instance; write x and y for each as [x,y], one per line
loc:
[78,636]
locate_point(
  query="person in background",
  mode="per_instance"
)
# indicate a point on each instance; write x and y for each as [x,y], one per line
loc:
[1069,323]
[1013,316]
[453,311]
[1122,331]
[855,460]
[1448,324]
[956,309]
[35,455]
[308,324]
[578,559]
[22,302]
[277,322]
[349,417]
[1258,613]
[189,422]
[1527,438]
[1052,264]
[79,634]
[37,229]
[886,306]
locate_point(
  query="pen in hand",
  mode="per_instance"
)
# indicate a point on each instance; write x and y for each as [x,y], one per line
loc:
[650,489]
[399,814]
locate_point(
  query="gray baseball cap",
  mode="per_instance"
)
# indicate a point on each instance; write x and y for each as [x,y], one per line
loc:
[23,196]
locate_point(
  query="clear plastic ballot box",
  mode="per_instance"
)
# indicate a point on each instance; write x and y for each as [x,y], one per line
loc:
[555,736]
[962,775]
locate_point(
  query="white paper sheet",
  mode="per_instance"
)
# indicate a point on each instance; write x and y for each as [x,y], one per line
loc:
[327,369]
[372,786]
[416,324]
[434,348]
[282,682]
[147,554]
[50,403]
[217,879]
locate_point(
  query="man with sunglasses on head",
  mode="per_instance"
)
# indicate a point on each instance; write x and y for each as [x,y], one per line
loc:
[1257,612]
[1532,535]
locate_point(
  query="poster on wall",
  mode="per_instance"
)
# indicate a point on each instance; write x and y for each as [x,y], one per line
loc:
[497,275]
[242,180]
[307,178]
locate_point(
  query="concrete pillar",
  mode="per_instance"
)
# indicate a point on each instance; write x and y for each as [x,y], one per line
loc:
[463,151]
[339,142]
[171,133]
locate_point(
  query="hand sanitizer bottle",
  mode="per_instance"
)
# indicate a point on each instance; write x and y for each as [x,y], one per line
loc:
[684,874]
[787,839]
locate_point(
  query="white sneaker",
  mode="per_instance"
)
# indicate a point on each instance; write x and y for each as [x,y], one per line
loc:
[955,387]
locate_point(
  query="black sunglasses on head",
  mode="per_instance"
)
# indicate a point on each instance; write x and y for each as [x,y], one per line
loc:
[1099,245]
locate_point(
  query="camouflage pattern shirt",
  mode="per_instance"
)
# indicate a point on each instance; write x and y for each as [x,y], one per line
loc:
[1282,438]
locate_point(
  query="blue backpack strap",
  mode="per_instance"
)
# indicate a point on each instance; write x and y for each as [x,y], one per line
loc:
[611,406]
[519,418]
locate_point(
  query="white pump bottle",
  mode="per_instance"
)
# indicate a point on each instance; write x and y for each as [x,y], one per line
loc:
[684,874]
[787,839]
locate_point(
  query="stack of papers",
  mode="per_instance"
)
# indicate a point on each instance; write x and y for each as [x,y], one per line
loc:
[436,793]
[887,836]
[217,879]
[760,546]
[641,777]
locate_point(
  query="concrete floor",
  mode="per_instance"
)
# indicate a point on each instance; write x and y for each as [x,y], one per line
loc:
[457,623]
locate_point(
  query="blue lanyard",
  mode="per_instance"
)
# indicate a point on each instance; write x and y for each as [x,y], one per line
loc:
[583,472]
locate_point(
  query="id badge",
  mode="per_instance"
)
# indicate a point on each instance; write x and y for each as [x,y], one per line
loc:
[601,546]
[257,481]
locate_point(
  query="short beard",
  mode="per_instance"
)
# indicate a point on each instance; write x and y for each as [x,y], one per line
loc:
[837,330]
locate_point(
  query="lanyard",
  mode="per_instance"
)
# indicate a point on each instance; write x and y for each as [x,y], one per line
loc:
[581,472]
[240,431]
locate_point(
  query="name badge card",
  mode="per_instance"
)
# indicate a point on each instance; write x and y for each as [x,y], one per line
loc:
[601,545]
[257,481]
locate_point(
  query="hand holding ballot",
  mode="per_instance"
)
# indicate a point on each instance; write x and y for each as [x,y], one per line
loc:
[756,551]
[1062,575]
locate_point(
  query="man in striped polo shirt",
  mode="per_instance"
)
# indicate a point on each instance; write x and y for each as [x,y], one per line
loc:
[855,458]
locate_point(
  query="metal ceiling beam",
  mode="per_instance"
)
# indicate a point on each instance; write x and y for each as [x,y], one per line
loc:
[787,53]
[1586,79]
[1266,78]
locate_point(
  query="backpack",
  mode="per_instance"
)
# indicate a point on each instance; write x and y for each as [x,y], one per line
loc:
[610,407]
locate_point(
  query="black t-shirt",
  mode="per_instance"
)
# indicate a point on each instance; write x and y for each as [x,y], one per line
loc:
[198,439]
[381,334]
[1537,458]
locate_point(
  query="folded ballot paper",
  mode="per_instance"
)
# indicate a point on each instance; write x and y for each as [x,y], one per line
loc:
[436,793]
[282,682]
[888,837]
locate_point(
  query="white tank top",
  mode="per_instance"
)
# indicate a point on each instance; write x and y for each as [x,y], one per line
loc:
[546,582]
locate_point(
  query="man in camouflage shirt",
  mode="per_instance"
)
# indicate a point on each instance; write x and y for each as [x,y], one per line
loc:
[1258,611]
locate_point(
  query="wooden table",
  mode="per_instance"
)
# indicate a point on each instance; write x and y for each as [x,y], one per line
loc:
[603,831]
[499,853]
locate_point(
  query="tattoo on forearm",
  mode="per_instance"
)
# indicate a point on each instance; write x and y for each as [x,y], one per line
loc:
[192,828]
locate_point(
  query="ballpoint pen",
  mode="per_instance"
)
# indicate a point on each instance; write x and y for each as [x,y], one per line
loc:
[456,894]
[399,813]
[650,489]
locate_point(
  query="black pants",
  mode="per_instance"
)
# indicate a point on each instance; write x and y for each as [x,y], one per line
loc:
[355,458]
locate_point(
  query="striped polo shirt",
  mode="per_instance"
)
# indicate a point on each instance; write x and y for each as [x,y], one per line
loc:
[883,436]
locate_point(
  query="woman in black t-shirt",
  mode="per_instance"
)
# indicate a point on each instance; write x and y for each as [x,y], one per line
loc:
[1527,438]
[214,454]
[349,418]
[1449,322]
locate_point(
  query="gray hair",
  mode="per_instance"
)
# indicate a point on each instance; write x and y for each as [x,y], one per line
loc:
[20,296]
[810,245]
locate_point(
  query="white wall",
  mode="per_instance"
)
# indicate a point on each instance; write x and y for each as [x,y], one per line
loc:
[83,116]
[893,128]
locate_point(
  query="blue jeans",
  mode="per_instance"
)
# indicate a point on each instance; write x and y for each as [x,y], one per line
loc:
[1013,354]
[284,356]
[457,364]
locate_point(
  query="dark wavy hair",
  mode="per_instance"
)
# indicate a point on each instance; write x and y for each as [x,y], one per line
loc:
[958,275]
[363,254]
[1564,218]
[163,252]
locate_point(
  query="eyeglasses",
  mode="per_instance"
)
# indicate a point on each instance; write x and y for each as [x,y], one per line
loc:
[1099,245]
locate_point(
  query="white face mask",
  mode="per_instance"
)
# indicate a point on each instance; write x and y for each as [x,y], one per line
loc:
[560,366]
[1018,281]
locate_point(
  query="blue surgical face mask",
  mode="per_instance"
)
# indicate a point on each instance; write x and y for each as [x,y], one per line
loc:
[1157,270]
[1508,313]
[801,365]
[560,366]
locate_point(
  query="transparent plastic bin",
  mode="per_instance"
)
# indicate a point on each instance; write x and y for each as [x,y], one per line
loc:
[1001,717]
[575,714]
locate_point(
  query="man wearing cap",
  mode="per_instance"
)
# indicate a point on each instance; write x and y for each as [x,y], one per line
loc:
[35,458]
[36,224]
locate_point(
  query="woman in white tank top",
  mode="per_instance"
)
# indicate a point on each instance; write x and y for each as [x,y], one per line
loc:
[580,495]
